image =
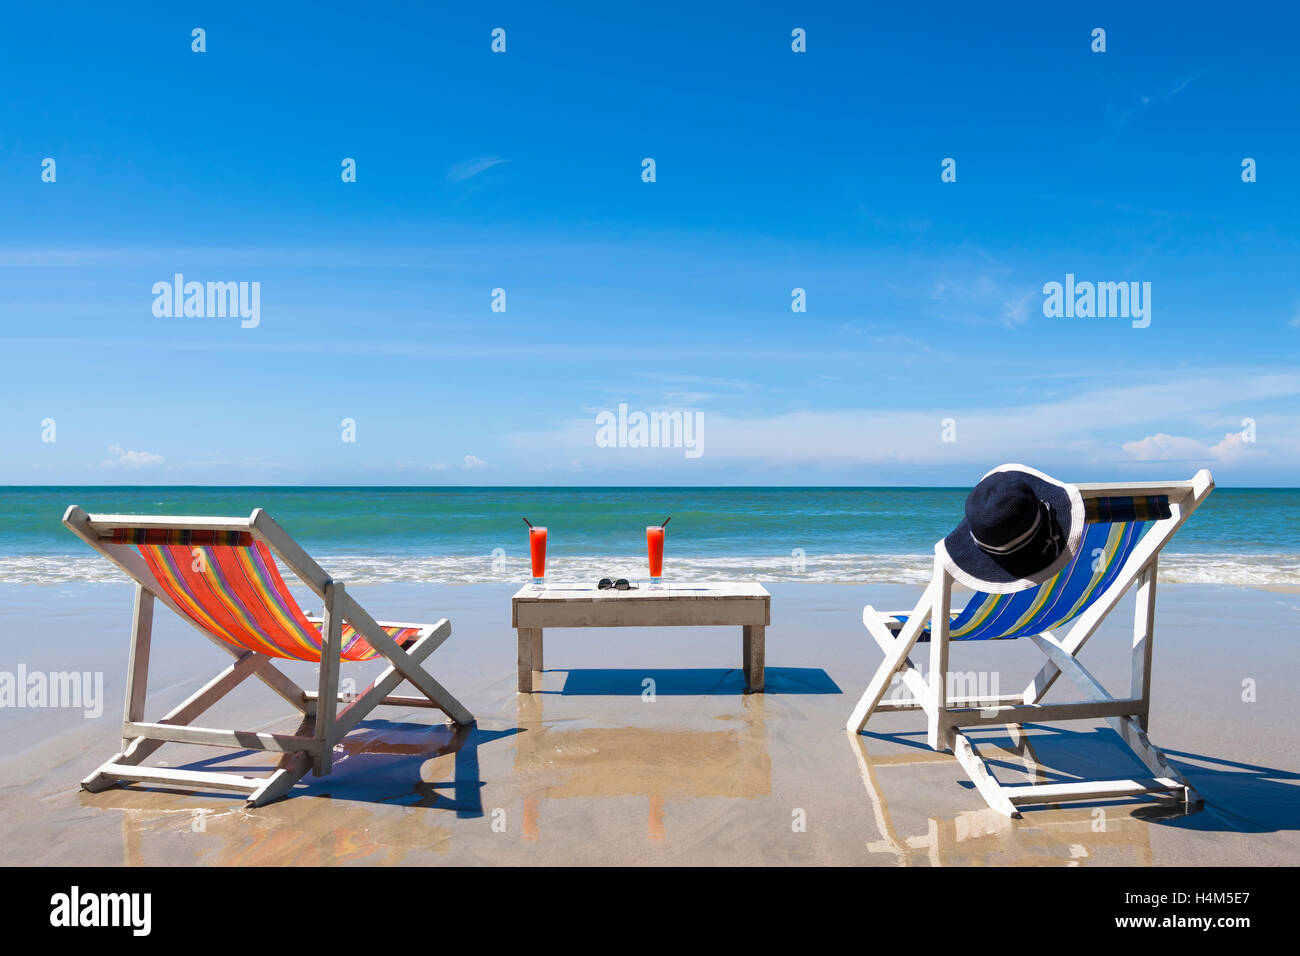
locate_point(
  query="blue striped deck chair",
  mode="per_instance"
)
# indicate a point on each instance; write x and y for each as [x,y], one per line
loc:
[1127,525]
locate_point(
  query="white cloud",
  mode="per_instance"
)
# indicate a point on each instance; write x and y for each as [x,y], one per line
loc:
[1122,115]
[1088,428]
[1162,447]
[985,297]
[1015,310]
[472,167]
[472,461]
[130,459]
[1233,447]
[687,398]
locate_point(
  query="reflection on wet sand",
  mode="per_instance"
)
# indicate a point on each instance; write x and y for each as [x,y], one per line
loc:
[1057,836]
[300,833]
[659,765]
[411,767]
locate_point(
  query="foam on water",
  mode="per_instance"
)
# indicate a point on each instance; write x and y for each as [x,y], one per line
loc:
[1243,570]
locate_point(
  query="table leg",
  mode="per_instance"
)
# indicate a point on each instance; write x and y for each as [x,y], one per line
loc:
[754,657]
[530,659]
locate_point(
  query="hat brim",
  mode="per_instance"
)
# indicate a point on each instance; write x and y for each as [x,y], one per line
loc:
[972,566]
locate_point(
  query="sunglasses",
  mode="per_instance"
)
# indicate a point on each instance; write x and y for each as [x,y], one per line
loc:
[621,584]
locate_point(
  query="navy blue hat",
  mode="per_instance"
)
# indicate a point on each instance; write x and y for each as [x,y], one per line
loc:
[1021,527]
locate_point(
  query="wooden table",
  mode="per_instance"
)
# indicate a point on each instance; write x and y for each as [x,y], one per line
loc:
[747,606]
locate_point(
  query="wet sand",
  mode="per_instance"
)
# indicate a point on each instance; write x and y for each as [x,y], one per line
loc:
[593,770]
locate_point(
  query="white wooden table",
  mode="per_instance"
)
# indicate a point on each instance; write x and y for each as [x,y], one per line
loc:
[747,606]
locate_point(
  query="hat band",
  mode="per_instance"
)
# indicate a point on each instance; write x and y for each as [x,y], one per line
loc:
[1015,544]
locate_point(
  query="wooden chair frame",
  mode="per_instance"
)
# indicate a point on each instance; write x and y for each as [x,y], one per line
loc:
[329,724]
[1129,716]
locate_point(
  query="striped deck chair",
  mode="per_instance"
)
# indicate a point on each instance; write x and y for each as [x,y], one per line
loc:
[220,575]
[1126,527]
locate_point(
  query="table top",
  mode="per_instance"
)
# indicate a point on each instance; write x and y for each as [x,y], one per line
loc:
[561,592]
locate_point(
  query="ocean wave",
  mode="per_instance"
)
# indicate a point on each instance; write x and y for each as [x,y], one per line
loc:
[1242,570]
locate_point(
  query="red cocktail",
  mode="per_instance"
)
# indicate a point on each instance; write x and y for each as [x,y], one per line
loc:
[654,541]
[537,548]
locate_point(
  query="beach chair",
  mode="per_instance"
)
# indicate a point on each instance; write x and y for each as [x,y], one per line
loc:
[220,575]
[1126,526]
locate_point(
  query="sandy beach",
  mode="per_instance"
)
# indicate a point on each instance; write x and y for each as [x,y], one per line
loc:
[591,771]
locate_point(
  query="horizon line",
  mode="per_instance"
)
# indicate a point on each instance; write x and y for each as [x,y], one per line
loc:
[344,487]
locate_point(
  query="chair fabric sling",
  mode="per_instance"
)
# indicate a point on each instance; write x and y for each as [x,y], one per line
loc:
[1113,530]
[229,584]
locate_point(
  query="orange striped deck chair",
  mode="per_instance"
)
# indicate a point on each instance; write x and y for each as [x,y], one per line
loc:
[1125,528]
[220,575]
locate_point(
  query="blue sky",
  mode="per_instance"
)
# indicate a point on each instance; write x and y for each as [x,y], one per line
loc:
[522,170]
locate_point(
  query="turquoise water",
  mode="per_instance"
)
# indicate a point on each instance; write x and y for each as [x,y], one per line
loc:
[469,534]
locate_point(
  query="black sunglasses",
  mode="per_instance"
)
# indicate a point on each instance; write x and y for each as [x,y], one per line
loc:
[619,585]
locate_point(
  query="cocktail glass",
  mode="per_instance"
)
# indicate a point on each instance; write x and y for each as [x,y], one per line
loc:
[654,540]
[537,549]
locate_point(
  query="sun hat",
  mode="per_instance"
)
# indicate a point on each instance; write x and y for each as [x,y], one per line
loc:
[1021,527]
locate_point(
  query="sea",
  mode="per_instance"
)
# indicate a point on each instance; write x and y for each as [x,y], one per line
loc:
[1240,536]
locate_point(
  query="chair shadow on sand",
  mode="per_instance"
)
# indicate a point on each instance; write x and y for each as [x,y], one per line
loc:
[1253,799]
[391,762]
[382,762]
[1239,797]
[980,836]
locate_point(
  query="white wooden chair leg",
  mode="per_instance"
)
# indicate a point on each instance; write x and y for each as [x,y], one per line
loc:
[939,735]
[876,689]
[327,694]
[910,675]
[100,779]
[293,768]
[1152,756]
[894,659]
[1144,622]
[137,668]
[979,774]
